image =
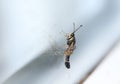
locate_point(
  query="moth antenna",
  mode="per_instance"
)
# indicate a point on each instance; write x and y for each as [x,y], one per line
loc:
[78,28]
[73,26]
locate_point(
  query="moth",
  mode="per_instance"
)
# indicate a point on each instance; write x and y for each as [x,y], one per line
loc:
[70,45]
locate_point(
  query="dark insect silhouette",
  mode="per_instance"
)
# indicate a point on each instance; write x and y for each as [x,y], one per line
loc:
[70,46]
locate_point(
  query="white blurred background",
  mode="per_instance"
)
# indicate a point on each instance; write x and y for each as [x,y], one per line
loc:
[108,71]
[32,42]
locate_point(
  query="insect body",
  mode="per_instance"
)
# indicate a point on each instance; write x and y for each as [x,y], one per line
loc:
[70,46]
